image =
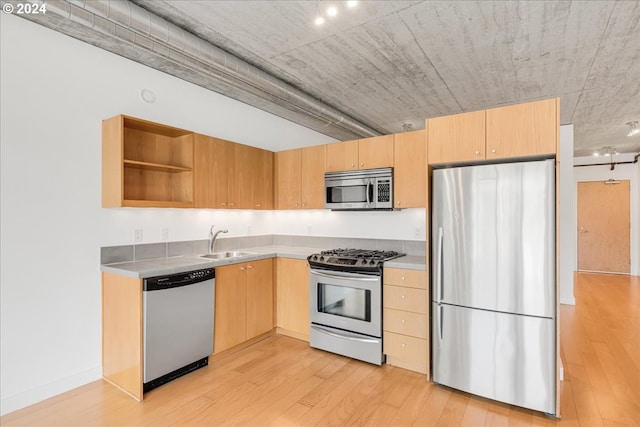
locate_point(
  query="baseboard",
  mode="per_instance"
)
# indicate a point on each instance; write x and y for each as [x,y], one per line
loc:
[568,300]
[45,391]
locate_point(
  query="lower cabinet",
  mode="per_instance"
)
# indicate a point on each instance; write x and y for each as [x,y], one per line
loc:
[406,319]
[292,278]
[243,303]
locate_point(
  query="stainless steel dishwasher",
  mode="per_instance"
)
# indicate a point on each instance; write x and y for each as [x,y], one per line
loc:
[177,325]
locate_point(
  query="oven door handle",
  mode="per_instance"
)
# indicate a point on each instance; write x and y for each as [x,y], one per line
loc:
[346,337]
[348,276]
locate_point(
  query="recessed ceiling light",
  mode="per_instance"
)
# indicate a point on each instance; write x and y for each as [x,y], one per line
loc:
[352,3]
[319,20]
[332,11]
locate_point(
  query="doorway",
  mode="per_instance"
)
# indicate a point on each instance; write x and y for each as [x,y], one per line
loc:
[604,226]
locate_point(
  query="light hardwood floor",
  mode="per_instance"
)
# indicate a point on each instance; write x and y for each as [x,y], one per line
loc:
[280,381]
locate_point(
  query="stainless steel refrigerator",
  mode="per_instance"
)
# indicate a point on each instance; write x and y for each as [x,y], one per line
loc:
[493,282]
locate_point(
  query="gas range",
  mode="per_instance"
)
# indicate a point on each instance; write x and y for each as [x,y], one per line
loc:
[354,260]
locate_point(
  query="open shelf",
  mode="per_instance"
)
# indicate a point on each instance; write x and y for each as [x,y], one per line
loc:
[155,166]
[146,164]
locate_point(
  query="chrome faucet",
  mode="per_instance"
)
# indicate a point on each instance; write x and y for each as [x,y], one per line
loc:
[212,237]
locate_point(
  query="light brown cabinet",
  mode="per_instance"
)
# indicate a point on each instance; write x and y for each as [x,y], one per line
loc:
[456,138]
[521,130]
[299,178]
[292,296]
[251,178]
[529,129]
[232,176]
[146,164]
[367,153]
[410,169]
[243,303]
[212,157]
[406,319]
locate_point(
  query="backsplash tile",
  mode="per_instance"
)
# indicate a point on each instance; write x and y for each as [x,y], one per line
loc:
[182,248]
[111,254]
[150,251]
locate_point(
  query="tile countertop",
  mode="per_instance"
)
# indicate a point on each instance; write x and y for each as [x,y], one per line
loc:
[181,264]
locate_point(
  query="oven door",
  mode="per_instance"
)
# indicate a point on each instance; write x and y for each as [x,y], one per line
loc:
[346,301]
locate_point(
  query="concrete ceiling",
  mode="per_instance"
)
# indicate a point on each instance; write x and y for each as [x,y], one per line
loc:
[391,63]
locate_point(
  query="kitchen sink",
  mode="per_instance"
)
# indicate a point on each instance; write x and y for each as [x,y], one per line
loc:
[226,255]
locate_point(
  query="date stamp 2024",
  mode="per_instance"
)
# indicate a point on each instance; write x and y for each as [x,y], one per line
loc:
[25,8]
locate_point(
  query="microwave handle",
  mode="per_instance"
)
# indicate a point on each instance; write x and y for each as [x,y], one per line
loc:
[369,192]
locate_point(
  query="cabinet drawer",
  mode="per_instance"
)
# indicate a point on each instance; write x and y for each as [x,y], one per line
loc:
[402,277]
[406,352]
[405,323]
[406,299]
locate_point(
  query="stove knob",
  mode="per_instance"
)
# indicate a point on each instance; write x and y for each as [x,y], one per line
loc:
[315,257]
[372,262]
[321,258]
[364,261]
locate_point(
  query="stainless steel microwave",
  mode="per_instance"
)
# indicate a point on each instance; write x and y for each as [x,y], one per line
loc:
[366,189]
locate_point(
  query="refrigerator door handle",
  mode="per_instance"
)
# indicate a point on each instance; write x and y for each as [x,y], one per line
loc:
[439,266]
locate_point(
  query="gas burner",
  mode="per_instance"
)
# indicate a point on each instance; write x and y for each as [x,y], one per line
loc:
[366,260]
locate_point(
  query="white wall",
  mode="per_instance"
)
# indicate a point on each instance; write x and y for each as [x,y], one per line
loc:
[566,217]
[54,93]
[629,172]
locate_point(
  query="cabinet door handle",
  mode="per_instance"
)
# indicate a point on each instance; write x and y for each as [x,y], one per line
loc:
[258,205]
[250,267]
[353,165]
[402,297]
[361,164]
[242,268]
[477,152]
[403,321]
[493,150]
[402,277]
[223,204]
[232,204]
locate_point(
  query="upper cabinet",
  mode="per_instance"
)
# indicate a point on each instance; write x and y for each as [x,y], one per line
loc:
[232,176]
[342,156]
[456,138]
[521,130]
[529,129]
[251,178]
[211,163]
[145,164]
[368,153]
[410,169]
[299,178]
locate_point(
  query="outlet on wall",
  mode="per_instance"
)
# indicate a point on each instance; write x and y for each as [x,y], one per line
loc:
[164,234]
[137,235]
[418,232]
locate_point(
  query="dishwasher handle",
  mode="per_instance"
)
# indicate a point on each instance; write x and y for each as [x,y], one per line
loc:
[159,283]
